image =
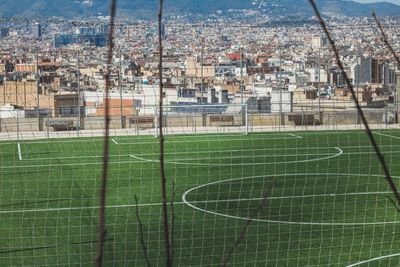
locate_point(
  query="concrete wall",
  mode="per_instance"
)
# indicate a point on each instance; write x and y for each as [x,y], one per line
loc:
[24,125]
[95,123]
[193,120]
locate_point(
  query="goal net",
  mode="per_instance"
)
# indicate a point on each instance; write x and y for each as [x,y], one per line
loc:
[203,119]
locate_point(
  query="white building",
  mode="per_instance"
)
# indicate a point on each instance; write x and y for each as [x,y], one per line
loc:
[284,97]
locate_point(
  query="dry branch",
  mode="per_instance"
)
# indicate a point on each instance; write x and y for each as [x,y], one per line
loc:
[161,136]
[371,137]
[247,225]
[103,188]
[385,39]
[141,234]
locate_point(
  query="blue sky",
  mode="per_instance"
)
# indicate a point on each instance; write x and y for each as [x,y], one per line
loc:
[374,1]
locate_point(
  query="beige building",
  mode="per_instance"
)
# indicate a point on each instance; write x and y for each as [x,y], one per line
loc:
[24,94]
[193,68]
[26,68]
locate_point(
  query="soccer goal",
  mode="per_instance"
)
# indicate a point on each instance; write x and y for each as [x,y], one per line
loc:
[203,119]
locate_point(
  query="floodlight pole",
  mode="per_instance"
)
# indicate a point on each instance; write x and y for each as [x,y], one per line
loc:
[120,86]
[241,87]
[280,83]
[397,95]
[318,85]
[5,88]
[37,89]
[202,71]
[79,94]
[241,75]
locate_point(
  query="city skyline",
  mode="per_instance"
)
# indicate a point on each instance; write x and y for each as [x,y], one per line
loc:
[397,2]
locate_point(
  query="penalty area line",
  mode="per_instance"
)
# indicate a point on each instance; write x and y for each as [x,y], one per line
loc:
[387,135]
[295,135]
[115,142]
[373,259]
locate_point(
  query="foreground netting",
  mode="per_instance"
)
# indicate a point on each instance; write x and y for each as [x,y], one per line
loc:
[326,199]
[286,196]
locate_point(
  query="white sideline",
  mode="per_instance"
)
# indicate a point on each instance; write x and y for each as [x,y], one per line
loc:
[66,164]
[194,202]
[199,152]
[146,140]
[188,130]
[140,159]
[19,151]
[387,135]
[209,140]
[373,259]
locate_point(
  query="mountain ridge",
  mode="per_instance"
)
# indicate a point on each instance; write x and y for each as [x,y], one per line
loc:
[147,9]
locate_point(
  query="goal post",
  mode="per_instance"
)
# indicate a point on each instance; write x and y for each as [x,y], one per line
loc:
[203,119]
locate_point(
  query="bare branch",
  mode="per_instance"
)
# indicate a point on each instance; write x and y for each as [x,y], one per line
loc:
[144,247]
[385,39]
[394,203]
[103,188]
[374,144]
[161,136]
[247,225]
[172,223]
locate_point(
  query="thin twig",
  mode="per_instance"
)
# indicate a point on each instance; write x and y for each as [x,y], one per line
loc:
[103,188]
[394,203]
[144,247]
[172,222]
[160,124]
[247,225]
[374,144]
[385,39]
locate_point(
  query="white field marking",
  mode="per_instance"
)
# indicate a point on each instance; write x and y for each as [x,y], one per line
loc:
[219,151]
[295,135]
[256,149]
[139,159]
[247,156]
[190,204]
[139,138]
[387,135]
[340,152]
[142,139]
[76,157]
[184,153]
[226,151]
[374,259]
[206,140]
[81,208]
[193,202]
[279,136]
[298,148]
[99,136]
[62,165]
[19,151]
[115,142]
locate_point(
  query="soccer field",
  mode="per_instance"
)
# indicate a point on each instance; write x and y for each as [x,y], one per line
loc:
[326,200]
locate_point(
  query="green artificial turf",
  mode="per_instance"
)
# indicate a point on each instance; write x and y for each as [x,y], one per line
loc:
[317,199]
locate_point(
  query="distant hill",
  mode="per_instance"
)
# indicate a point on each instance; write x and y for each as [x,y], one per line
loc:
[147,9]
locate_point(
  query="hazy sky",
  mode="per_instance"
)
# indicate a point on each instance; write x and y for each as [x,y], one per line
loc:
[374,1]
